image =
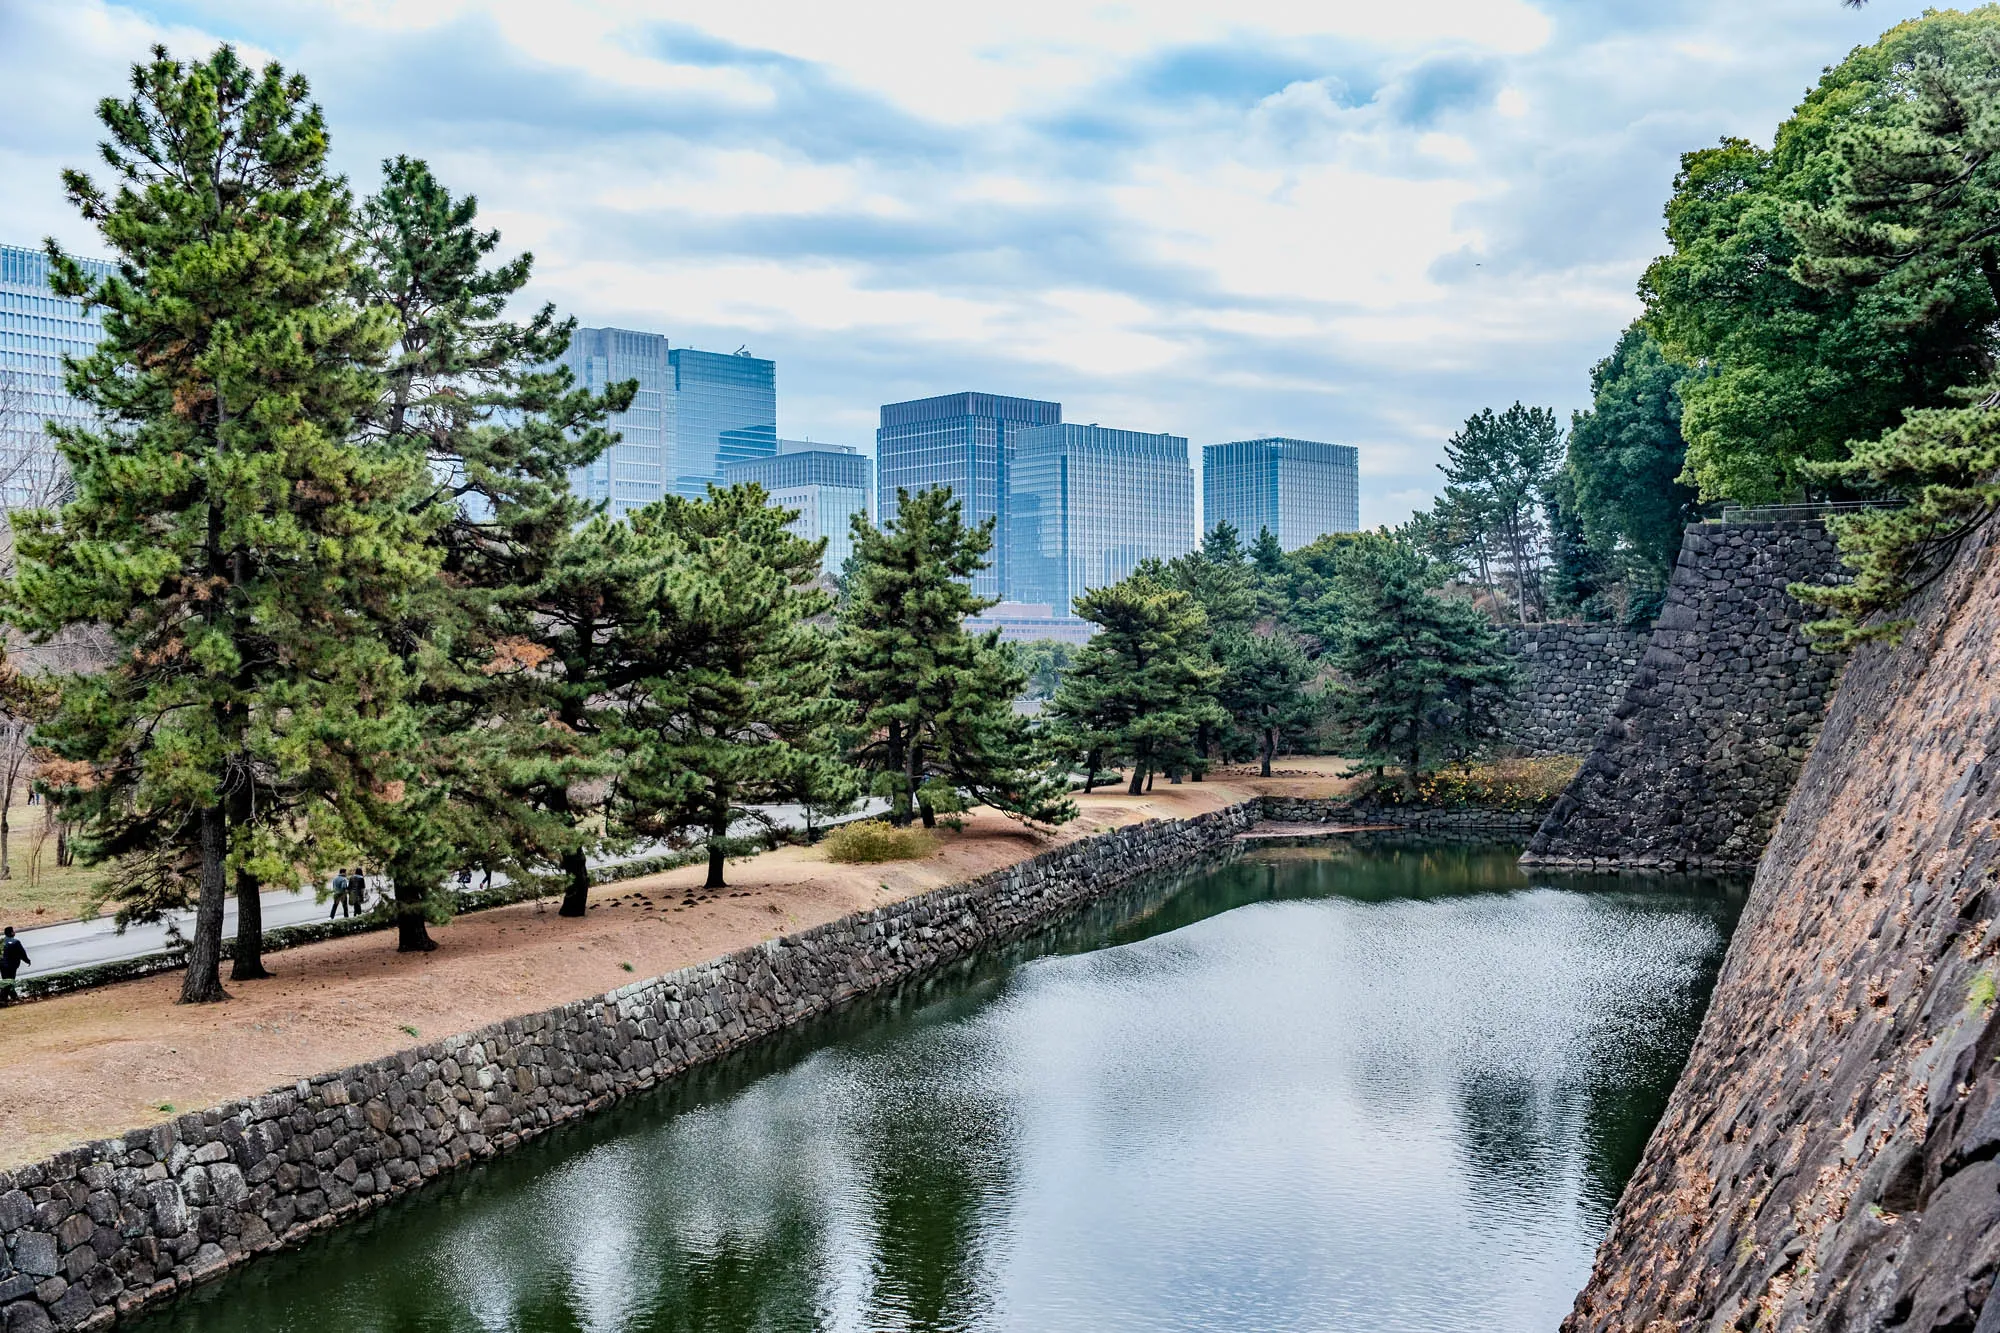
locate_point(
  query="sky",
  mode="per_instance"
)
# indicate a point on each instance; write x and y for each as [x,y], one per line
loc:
[1356,222]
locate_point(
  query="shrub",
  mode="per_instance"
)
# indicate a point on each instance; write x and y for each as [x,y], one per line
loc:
[875,840]
[1498,784]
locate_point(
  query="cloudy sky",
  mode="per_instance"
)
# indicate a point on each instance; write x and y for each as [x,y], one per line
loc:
[1344,220]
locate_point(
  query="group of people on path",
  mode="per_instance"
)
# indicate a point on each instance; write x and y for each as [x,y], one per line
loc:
[350,893]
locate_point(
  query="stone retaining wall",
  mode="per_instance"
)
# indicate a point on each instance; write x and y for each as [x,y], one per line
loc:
[104,1229]
[1572,676]
[1457,819]
[1699,756]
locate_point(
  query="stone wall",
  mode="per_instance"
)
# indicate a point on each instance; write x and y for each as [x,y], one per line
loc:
[1830,1159]
[106,1228]
[1572,676]
[1422,819]
[1697,759]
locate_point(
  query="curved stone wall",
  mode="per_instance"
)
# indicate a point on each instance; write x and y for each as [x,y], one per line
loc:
[1696,760]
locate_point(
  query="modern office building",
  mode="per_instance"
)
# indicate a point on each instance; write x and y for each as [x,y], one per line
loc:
[37,329]
[1299,489]
[694,412]
[1030,622]
[725,411]
[1085,504]
[964,441]
[828,484]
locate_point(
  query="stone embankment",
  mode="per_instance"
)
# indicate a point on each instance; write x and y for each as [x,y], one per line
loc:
[1698,757]
[1420,819]
[1571,677]
[1830,1159]
[110,1227]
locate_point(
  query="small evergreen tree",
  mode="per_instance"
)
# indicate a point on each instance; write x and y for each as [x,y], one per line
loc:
[1265,689]
[736,706]
[934,704]
[241,551]
[1415,667]
[1143,686]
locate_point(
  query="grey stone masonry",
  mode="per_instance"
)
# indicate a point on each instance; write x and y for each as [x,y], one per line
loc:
[1698,758]
[107,1228]
[1419,819]
[1572,676]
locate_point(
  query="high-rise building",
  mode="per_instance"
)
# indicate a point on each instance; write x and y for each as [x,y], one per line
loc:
[1085,504]
[632,473]
[964,441]
[1299,489]
[828,484]
[725,411]
[37,328]
[694,411]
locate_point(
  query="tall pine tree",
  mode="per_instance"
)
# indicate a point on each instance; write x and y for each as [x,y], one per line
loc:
[240,547]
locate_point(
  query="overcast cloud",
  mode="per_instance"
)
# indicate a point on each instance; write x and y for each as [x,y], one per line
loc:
[1346,221]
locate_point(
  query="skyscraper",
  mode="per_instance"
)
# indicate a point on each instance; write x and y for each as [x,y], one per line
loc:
[725,411]
[827,484]
[37,328]
[1086,504]
[632,473]
[964,441]
[694,411]
[1298,489]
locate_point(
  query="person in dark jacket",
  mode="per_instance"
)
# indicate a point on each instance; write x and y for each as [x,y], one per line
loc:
[340,902]
[13,954]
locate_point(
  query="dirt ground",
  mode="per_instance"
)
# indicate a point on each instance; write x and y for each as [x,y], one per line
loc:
[100,1062]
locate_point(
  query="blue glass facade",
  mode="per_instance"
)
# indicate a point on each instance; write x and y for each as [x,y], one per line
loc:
[632,473]
[964,441]
[725,411]
[37,329]
[826,485]
[694,412]
[1087,503]
[1299,489]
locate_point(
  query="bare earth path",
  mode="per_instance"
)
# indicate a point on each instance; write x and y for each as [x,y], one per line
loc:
[104,1061]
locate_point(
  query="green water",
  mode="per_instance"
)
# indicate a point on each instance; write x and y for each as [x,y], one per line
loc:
[1373,1085]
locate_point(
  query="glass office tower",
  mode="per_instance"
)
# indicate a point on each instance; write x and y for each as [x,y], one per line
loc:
[828,484]
[1298,489]
[1086,504]
[37,328]
[632,473]
[960,440]
[725,411]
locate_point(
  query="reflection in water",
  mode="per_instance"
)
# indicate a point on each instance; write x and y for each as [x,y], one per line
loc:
[1367,1084]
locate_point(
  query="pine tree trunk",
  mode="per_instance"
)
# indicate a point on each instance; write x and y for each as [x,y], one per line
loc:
[203,982]
[930,815]
[1090,771]
[412,930]
[906,800]
[6,868]
[1270,747]
[718,829]
[576,893]
[1138,787]
[247,959]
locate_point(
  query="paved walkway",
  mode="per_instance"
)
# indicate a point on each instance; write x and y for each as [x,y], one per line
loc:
[72,944]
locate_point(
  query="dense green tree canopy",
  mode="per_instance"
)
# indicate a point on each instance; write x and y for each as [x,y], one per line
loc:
[1625,459]
[1794,372]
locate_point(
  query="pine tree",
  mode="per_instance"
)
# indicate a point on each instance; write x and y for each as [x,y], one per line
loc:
[1144,685]
[1264,688]
[1578,571]
[736,707]
[1417,670]
[1498,466]
[934,704]
[500,428]
[240,548]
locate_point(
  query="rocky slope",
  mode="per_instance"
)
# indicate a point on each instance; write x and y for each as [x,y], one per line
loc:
[1831,1157]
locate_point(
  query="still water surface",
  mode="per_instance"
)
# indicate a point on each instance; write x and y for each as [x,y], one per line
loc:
[1374,1085]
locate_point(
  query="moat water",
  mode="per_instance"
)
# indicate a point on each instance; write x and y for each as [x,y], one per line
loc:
[1371,1085]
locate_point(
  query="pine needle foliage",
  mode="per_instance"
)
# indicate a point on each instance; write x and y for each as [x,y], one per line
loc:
[238,544]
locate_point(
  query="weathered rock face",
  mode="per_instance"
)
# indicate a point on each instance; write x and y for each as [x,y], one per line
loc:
[1698,757]
[1830,1159]
[1572,676]
[109,1227]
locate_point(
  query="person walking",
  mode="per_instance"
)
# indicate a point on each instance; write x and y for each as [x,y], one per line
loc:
[339,894]
[13,954]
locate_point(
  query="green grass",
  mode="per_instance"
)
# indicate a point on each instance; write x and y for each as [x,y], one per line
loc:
[38,892]
[1981,994]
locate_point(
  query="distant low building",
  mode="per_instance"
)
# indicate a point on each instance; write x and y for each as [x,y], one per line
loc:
[1299,489]
[828,484]
[37,329]
[1086,504]
[1025,622]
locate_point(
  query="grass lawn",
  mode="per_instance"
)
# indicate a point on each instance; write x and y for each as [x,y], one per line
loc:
[39,892]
